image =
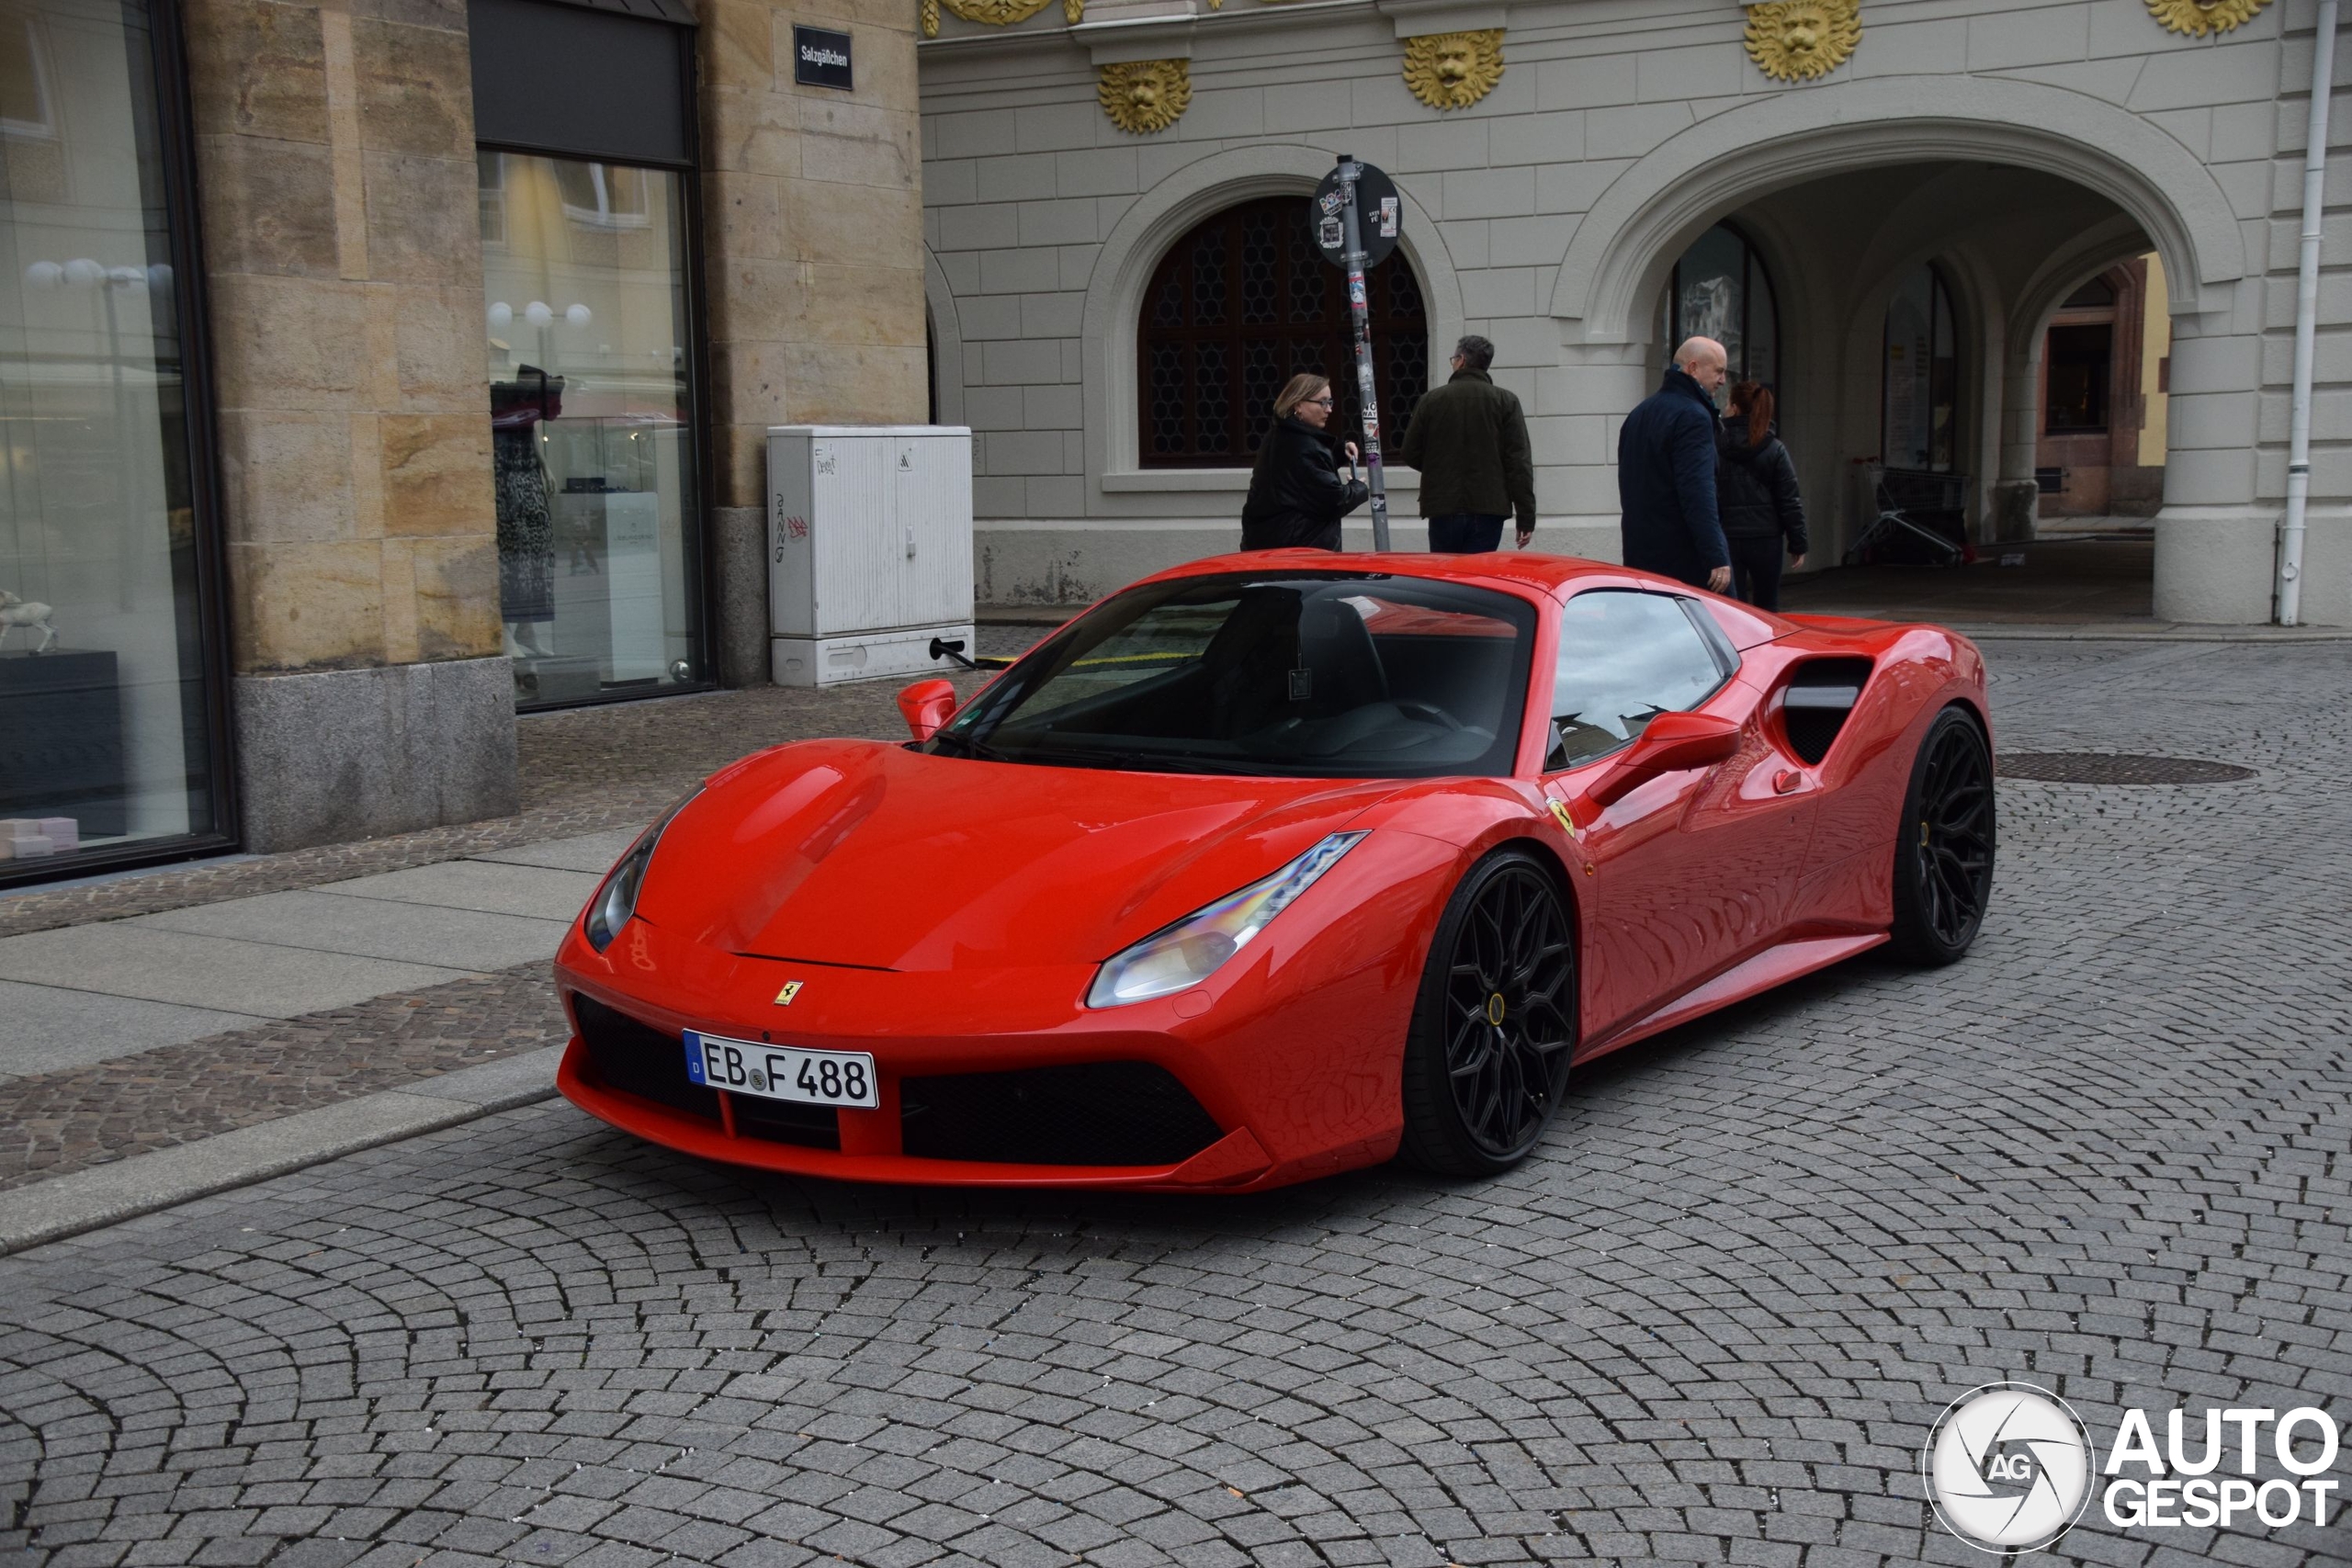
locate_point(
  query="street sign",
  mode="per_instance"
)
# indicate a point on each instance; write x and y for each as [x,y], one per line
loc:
[1382,217]
[1355,210]
[820,58]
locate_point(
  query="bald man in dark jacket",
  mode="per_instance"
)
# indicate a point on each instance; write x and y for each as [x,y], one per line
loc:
[1666,474]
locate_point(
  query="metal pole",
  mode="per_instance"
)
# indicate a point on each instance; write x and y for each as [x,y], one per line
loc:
[2299,438]
[1360,314]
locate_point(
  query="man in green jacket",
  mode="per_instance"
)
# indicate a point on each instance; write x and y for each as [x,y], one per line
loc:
[1469,440]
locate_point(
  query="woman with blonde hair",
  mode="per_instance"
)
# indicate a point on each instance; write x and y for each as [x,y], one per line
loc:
[1296,496]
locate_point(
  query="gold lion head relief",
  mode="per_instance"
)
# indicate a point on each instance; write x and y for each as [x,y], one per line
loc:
[1796,41]
[1452,71]
[1144,95]
[2201,18]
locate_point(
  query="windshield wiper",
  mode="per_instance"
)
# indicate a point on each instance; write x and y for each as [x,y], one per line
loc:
[979,749]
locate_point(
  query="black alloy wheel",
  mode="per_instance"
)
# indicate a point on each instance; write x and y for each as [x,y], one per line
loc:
[1943,858]
[1487,1064]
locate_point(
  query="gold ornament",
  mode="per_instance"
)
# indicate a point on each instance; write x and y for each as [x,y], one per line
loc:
[1795,41]
[2202,18]
[1144,95]
[997,13]
[1452,71]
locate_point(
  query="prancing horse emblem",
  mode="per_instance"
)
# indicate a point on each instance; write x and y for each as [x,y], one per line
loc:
[791,989]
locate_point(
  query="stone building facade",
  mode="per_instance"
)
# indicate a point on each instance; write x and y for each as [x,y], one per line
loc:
[373,367]
[1887,203]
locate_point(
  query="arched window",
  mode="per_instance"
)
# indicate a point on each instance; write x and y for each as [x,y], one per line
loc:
[1919,416]
[1241,305]
[1721,290]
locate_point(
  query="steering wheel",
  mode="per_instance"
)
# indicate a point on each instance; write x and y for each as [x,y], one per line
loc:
[1413,707]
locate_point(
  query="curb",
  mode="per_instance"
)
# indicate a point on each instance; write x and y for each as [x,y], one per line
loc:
[105,1194]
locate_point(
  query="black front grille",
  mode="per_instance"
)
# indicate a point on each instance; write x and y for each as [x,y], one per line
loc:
[781,1122]
[636,1058]
[1090,1113]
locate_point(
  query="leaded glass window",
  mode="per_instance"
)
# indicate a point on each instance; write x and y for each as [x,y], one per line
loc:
[1241,305]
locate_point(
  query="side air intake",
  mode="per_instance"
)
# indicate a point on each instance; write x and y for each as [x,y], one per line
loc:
[1816,701]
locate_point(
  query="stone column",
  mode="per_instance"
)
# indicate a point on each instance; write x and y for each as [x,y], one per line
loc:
[813,235]
[335,168]
[1589,393]
[2215,539]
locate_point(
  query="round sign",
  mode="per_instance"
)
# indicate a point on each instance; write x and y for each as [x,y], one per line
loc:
[1379,216]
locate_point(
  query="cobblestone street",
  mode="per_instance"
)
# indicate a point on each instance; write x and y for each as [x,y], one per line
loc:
[1711,1321]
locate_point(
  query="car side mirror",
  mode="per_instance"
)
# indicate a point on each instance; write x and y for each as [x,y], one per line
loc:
[927,704]
[1668,744]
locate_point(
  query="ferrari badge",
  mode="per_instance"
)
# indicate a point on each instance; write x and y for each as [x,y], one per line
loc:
[791,989]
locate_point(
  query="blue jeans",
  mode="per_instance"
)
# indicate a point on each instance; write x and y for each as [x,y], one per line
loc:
[1466,533]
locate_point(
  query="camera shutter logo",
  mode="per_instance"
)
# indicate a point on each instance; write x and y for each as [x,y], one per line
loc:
[2008,1467]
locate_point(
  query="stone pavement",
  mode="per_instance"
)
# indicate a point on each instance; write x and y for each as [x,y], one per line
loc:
[1710,1322]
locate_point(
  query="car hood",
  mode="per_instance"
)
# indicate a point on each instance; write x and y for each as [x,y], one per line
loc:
[866,854]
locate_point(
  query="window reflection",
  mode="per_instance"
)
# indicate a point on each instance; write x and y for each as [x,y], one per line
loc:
[1920,417]
[103,740]
[1624,657]
[1719,290]
[592,426]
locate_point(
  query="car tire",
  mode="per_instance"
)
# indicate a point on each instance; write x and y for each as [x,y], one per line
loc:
[1487,1059]
[1943,848]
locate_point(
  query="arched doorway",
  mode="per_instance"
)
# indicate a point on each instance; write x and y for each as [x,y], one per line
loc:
[2015,190]
[2106,368]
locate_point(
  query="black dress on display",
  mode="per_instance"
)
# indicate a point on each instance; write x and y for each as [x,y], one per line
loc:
[525,521]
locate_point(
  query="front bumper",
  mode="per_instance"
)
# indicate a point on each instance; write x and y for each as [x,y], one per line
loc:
[1274,1073]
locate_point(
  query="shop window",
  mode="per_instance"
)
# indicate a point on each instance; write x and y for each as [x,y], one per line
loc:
[1719,288]
[110,739]
[588,261]
[1919,404]
[591,436]
[2077,366]
[1241,305]
[490,173]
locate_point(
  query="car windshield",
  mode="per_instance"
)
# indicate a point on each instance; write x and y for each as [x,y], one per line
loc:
[1304,674]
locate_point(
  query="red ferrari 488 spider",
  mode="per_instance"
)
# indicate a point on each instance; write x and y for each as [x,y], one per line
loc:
[1276,865]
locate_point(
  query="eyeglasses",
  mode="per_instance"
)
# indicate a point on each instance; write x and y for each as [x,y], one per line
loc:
[1322,402]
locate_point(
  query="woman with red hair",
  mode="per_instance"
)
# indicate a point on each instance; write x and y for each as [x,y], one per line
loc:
[1756,492]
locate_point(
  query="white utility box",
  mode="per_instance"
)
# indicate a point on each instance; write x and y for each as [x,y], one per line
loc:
[869,549]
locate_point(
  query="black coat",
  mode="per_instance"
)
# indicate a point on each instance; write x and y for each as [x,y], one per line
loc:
[1756,487]
[1666,482]
[1296,496]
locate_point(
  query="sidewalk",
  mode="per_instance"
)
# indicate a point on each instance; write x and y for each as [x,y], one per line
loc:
[176,1031]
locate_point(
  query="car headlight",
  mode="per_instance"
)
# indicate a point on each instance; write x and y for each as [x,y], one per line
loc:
[615,901]
[1191,951]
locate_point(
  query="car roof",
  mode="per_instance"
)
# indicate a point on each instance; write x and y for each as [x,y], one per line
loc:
[1525,571]
[1524,568]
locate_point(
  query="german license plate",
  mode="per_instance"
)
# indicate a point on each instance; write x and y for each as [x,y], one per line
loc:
[782,1072]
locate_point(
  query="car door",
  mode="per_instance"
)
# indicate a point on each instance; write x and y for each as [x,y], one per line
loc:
[1690,872]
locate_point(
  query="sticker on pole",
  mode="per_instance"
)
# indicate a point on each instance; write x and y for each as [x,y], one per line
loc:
[1379,216]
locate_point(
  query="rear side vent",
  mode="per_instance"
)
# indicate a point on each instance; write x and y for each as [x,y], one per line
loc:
[1814,703]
